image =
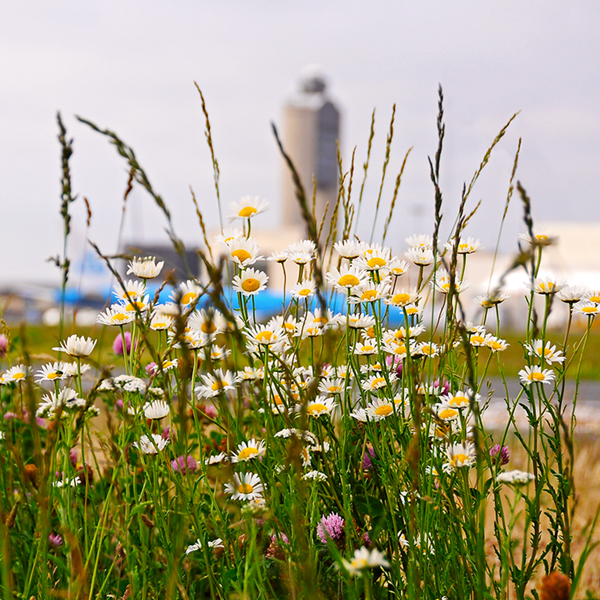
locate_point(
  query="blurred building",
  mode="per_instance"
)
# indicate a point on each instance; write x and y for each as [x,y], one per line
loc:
[311,130]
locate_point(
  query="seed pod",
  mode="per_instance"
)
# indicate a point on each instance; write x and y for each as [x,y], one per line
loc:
[12,516]
[556,586]
[149,523]
[31,474]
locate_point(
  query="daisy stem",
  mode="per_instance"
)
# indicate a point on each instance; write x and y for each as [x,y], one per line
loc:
[124,349]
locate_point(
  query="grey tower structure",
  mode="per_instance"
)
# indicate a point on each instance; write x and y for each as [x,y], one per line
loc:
[310,134]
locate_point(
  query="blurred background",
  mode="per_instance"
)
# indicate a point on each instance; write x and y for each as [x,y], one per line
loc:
[130,67]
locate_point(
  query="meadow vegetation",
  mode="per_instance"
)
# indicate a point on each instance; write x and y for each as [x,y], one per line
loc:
[317,455]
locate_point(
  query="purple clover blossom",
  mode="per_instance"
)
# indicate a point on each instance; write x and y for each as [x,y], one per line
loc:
[118,344]
[395,362]
[151,368]
[443,387]
[55,540]
[3,345]
[184,464]
[367,463]
[503,451]
[331,527]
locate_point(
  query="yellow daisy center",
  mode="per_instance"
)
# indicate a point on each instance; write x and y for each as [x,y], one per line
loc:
[459,401]
[118,318]
[245,488]
[247,211]
[247,453]
[368,348]
[334,389]
[376,262]
[53,375]
[541,238]
[448,413]
[208,327]
[216,386]
[189,297]
[369,295]
[316,408]
[459,459]
[384,410]
[133,305]
[595,299]
[241,254]
[18,376]
[400,349]
[159,325]
[536,376]
[250,284]
[348,280]
[477,339]
[320,320]
[378,382]
[289,327]
[304,292]
[401,298]
[264,336]
[496,346]
[589,310]
[464,247]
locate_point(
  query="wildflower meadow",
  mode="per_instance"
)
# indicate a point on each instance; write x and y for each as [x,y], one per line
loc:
[337,450]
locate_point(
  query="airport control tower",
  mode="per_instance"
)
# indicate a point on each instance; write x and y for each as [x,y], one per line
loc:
[310,133]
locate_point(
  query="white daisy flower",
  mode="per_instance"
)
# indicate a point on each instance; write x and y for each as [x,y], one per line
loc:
[397,267]
[50,372]
[250,282]
[349,249]
[304,289]
[545,286]
[151,445]
[221,381]
[538,239]
[572,294]
[245,487]
[244,252]
[422,257]
[188,292]
[491,299]
[365,559]
[442,281]
[346,278]
[314,476]
[587,308]
[76,346]
[419,241]
[116,315]
[536,374]
[228,236]
[546,351]
[157,409]
[319,406]
[145,268]
[460,455]
[247,207]
[249,450]
[495,344]
[129,291]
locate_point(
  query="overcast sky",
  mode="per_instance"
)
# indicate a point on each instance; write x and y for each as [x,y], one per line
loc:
[130,66]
